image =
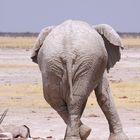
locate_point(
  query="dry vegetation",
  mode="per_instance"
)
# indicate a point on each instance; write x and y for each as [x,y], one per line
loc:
[30,95]
[131,41]
[27,42]
[16,42]
[22,95]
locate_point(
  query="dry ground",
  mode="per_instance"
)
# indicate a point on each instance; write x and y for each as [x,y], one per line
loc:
[21,92]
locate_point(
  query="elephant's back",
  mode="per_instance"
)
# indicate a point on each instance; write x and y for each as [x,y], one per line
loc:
[73,36]
[83,39]
[73,39]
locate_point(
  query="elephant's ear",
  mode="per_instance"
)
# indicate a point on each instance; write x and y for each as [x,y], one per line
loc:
[39,42]
[112,43]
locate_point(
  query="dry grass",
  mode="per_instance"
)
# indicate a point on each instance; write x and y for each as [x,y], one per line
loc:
[17,42]
[131,42]
[28,42]
[21,95]
[27,95]
[14,66]
[125,94]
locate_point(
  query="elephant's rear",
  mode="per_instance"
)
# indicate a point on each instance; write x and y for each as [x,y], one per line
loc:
[72,61]
[72,40]
[72,53]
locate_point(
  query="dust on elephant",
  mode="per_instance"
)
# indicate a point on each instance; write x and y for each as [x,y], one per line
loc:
[73,58]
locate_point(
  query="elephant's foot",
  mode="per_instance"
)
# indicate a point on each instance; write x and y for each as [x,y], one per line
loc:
[118,136]
[84,131]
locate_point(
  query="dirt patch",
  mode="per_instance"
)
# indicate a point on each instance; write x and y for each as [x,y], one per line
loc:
[128,69]
[45,122]
[17,67]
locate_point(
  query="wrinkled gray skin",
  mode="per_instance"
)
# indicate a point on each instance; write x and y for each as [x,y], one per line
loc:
[73,58]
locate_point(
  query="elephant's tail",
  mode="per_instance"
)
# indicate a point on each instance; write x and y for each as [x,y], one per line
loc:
[69,73]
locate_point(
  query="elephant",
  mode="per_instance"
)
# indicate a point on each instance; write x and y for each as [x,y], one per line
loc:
[74,58]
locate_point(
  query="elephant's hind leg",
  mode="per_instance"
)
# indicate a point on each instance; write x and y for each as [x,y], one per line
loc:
[106,103]
[63,112]
[76,107]
[51,90]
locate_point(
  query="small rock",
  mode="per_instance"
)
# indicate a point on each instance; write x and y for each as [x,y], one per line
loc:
[49,137]
[33,111]
[123,97]
[92,115]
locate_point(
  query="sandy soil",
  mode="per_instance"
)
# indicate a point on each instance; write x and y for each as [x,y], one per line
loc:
[16,67]
[45,122]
